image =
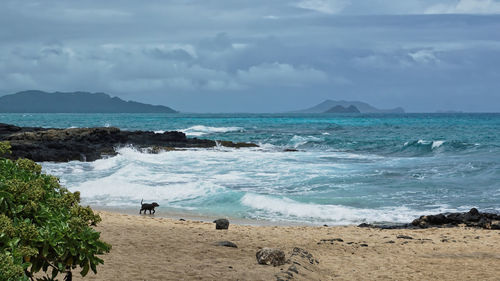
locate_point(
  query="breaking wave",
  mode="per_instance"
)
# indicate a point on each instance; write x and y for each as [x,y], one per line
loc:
[200,130]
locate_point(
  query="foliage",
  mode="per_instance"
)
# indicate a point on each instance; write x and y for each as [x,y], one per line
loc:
[42,225]
[4,147]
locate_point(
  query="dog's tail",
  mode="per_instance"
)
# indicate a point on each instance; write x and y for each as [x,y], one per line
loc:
[142,200]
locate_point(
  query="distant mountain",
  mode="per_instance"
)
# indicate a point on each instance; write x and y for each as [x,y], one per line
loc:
[361,106]
[76,102]
[341,109]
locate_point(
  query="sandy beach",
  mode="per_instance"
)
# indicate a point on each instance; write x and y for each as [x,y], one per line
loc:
[154,248]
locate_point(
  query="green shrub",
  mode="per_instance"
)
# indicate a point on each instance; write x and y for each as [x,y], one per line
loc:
[42,226]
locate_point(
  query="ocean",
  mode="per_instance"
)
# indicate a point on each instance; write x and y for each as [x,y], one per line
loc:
[348,169]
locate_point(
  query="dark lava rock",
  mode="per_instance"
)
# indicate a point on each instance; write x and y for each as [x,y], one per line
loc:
[404,237]
[270,256]
[302,263]
[363,245]
[293,269]
[299,252]
[89,144]
[330,241]
[291,150]
[226,244]
[236,144]
[473,218]
[221,224]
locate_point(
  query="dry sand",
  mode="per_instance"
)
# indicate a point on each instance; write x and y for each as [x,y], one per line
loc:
[152,248]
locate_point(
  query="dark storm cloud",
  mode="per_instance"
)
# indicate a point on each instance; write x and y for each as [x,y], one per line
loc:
[258,55]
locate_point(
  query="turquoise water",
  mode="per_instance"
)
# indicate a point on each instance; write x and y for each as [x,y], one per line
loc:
[349,168]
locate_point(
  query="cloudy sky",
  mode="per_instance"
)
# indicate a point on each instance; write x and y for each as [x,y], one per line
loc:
[258,55]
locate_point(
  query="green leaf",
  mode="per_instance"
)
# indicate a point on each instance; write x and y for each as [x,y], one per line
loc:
[93,267]
[54,272]
[85,269]
[45,251]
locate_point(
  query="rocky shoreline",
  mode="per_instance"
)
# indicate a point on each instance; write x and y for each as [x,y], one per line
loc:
[89,144]
[472,218]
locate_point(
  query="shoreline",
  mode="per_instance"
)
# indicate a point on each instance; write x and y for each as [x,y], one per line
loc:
[156,248]
[174,215]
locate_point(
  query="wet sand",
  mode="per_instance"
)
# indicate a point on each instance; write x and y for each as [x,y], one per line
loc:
[155,248]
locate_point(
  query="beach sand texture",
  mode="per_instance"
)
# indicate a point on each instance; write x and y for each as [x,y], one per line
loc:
[153,248]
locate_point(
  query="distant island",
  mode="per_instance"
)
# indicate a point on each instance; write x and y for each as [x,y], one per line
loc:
[74,102]
[341,109]
[361,107]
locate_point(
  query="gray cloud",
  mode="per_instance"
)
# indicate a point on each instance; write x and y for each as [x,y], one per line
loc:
[258,55]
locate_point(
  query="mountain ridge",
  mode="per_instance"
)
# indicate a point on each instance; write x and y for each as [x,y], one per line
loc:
[341,109]
[363,107]
[36,101]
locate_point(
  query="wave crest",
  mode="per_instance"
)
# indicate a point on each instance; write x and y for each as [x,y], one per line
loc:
[200,130]
[283,208]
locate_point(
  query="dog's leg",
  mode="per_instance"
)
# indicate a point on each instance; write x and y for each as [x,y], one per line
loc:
[154,211]
[140,211]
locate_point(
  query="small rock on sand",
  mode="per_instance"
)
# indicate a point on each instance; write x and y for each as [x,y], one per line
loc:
[221,224]
[226,244]
[270,256]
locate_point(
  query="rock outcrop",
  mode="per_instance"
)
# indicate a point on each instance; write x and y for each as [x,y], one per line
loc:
[270,256]
[303,266]
[473,218]
[89,144]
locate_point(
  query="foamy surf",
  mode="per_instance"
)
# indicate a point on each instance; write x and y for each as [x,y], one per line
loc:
[302,187]
[200,130]
[275,208]
[307,169]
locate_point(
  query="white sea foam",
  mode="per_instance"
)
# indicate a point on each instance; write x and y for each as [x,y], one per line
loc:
[238,178]
[297,141]
[436,144]
[273,208]
[132,174]
[200,130]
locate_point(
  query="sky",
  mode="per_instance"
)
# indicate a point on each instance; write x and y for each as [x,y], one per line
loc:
[259,55]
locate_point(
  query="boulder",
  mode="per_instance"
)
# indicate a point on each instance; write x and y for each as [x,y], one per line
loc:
[270,256]
[221,224]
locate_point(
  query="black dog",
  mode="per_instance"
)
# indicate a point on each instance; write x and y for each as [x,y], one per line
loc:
[146,206]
